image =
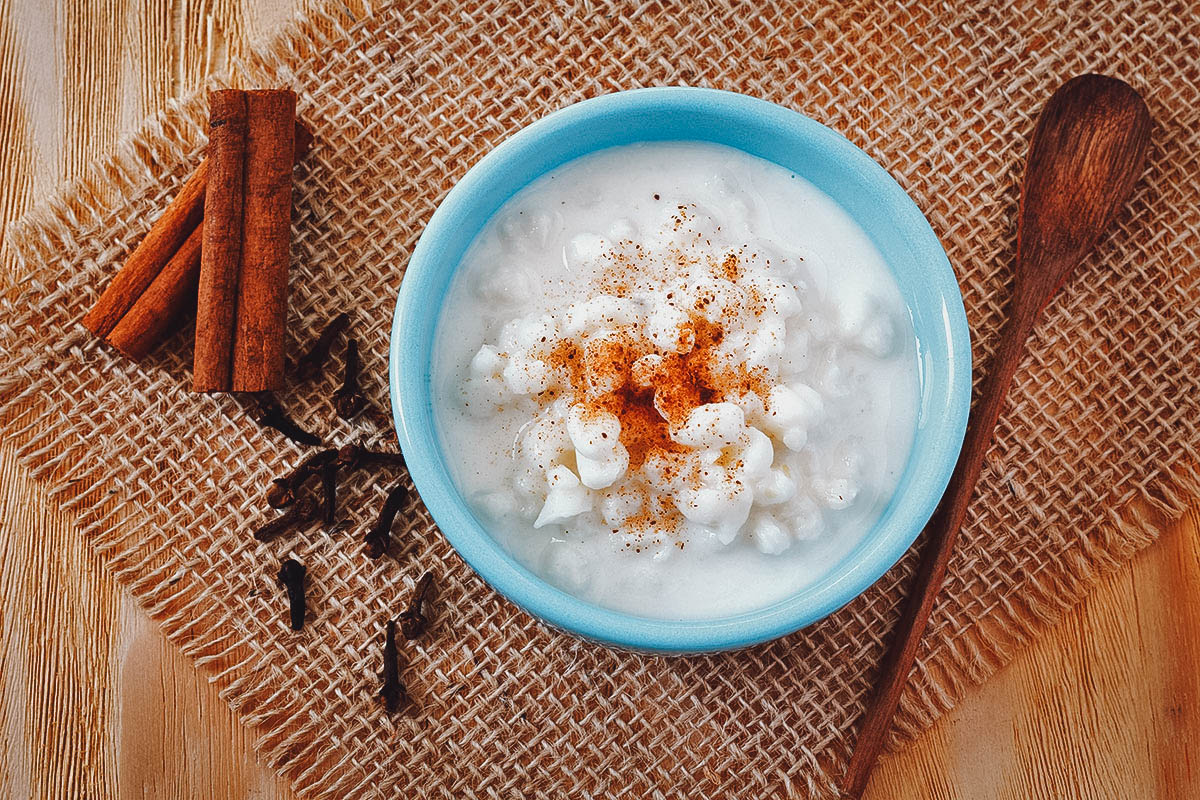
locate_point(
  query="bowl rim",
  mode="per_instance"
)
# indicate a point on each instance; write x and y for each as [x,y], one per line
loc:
[411,397]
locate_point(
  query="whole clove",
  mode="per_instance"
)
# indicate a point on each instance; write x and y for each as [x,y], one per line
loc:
[329,476]
[299,515]
[308,365]
[283,490]
[291,577]
[393,694]
[349,400]
[267,412]
[413,621]
[352,456]
[380,535]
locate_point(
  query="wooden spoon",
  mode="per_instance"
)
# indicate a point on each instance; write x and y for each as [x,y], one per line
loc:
[1089,147]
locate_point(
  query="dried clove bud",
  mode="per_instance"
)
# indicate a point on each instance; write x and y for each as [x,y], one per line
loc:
[380,535]
[329,476]
[392,693]
[309,364]
[302,513]
[352,456]
[413,621]
[268,413]
[283,490]
[291,577]
[349,400]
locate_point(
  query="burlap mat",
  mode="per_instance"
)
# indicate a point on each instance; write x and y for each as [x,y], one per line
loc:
[167,484]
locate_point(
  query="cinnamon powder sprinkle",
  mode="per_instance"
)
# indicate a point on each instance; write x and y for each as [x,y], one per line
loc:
[651,397]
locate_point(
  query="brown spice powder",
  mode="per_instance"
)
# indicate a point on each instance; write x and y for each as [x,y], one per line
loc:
[655,398]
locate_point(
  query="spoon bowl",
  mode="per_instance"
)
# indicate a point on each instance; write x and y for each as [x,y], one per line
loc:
[1088,149]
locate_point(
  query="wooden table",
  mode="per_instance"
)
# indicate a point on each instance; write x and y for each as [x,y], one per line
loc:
[95,702]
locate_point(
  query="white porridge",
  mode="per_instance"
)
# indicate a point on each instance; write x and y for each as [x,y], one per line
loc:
[675,380]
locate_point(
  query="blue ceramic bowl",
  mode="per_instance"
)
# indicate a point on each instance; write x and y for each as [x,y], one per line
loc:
[777,134]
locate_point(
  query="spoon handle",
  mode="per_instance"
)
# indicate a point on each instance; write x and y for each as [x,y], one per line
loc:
[941,534]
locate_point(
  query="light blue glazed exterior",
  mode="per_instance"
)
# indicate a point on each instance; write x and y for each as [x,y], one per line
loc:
[777,134]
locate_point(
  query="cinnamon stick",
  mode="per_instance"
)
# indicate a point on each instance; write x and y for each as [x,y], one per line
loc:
[171,296]
[147,260]
[153,290]
[220,260]
[260,333]
[163,306]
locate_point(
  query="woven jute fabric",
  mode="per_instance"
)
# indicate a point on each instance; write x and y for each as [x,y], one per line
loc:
[1093,454]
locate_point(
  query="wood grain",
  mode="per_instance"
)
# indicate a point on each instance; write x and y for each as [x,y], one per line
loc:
[95,703]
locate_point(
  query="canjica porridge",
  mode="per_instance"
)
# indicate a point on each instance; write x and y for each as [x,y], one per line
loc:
[675,380]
